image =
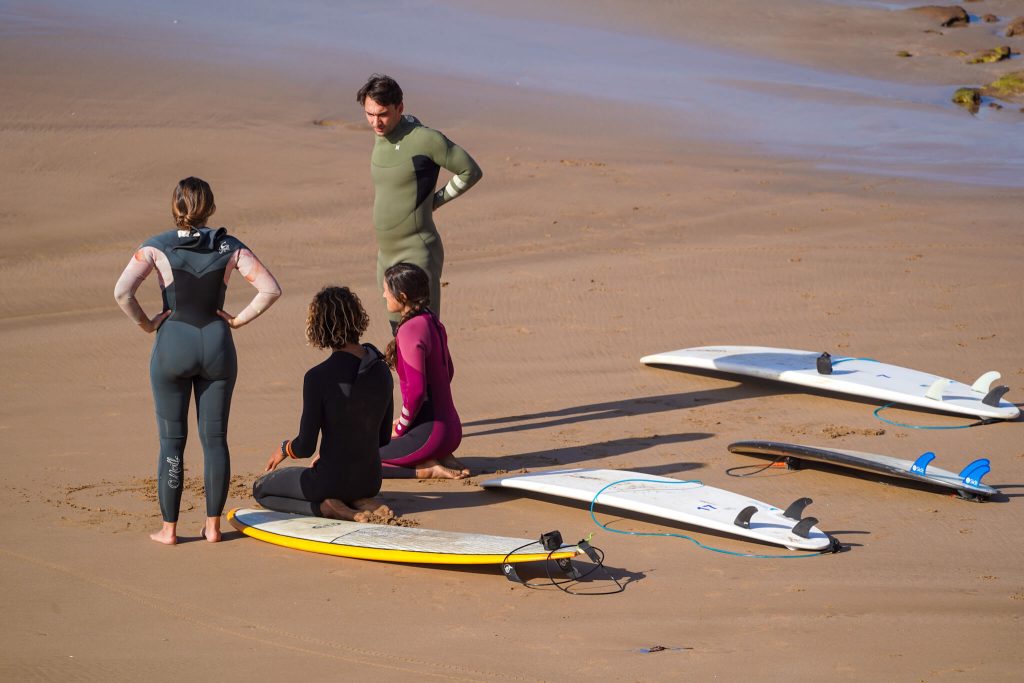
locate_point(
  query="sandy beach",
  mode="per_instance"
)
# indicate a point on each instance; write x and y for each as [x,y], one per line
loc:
[657,175]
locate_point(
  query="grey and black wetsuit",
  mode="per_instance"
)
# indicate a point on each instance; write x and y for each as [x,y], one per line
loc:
[349,401]
[405,166]
[193,349]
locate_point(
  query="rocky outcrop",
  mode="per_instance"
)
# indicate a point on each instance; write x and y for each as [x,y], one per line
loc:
[952,15]
[968,98]
[996,54]
[1008,87]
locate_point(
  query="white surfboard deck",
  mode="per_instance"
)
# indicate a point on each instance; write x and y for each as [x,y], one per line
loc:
[872,462]
[387,543]
[672,499]
[867,378]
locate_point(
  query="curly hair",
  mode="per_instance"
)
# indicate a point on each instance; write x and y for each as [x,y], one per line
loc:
[192,203]
[410,285]
[336,317]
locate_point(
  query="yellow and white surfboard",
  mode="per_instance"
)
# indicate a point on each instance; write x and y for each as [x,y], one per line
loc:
[388,543]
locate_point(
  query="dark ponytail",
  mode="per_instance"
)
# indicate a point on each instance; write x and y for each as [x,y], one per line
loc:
[410,285]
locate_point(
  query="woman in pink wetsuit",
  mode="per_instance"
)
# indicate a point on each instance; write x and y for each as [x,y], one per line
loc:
[428,430]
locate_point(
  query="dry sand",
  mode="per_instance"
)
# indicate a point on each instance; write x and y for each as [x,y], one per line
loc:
[590,242]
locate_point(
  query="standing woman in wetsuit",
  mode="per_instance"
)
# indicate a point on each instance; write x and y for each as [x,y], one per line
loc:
[347,399]
[193,349]
[428,430]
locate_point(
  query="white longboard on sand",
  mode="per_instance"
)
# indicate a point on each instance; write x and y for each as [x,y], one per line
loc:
[388,543]
[967,484]
[672,499]
[857,376]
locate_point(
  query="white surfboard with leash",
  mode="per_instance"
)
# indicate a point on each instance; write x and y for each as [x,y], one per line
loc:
[688,502]
[390,543]
[857,376]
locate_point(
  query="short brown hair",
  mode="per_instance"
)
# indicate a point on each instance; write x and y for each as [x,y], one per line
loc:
[336,317]
[382,89]
[192,203]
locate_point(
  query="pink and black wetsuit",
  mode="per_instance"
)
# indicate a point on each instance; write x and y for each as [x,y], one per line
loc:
[428,427]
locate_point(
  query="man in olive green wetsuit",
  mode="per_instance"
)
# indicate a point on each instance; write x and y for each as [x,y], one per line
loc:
[407,158]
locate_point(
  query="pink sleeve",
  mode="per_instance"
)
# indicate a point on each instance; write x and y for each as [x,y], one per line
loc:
[413,346]
[267,289]
[134,273]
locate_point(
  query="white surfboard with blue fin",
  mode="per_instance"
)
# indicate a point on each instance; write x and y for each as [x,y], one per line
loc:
[967,483]
[857,376]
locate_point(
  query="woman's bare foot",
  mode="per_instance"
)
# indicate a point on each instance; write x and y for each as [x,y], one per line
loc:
[332,508]
[374,506]
[168,534]
[211,532]
[432,469]
[453,463]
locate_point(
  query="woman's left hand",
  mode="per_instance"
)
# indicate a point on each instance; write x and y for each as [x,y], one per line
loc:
[276,458]
[233,322]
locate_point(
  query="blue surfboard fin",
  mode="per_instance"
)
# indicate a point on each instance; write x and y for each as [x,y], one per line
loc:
[920,465]
[974,472]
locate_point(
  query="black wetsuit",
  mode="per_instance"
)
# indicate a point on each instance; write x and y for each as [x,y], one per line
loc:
[349,401]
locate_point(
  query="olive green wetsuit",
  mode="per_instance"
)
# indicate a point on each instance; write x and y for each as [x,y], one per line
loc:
[405,165]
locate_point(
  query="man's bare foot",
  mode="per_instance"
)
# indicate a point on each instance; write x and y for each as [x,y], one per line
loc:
[211,532]
[332,508]
[168,534]
[432,469]
[453,463]
[373,506]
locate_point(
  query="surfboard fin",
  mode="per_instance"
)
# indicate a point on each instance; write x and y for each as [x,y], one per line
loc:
[824,364]
[743,519]
[992,397]
[973,473]
[510,573]
[935,390]
[920,465]
[568,568]
[803,527]
[796,508]
[984,383]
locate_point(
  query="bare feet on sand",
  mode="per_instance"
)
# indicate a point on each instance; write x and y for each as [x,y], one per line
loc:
[211,532]
[168,534]
[432,469]
[453,463]
[373,506]
[332,508]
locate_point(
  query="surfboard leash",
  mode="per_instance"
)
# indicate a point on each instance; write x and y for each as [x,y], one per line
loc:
[834,544]
[552,541]
[777,462]
[979,423]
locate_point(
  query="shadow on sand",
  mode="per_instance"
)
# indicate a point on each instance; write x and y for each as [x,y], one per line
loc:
[612,409]
[569,455]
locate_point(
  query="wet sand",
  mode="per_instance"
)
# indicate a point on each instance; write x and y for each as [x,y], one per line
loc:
[594,238]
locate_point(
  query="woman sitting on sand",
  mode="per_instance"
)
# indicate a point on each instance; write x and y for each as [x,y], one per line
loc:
[429,429]
[347,400]
[193,349]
